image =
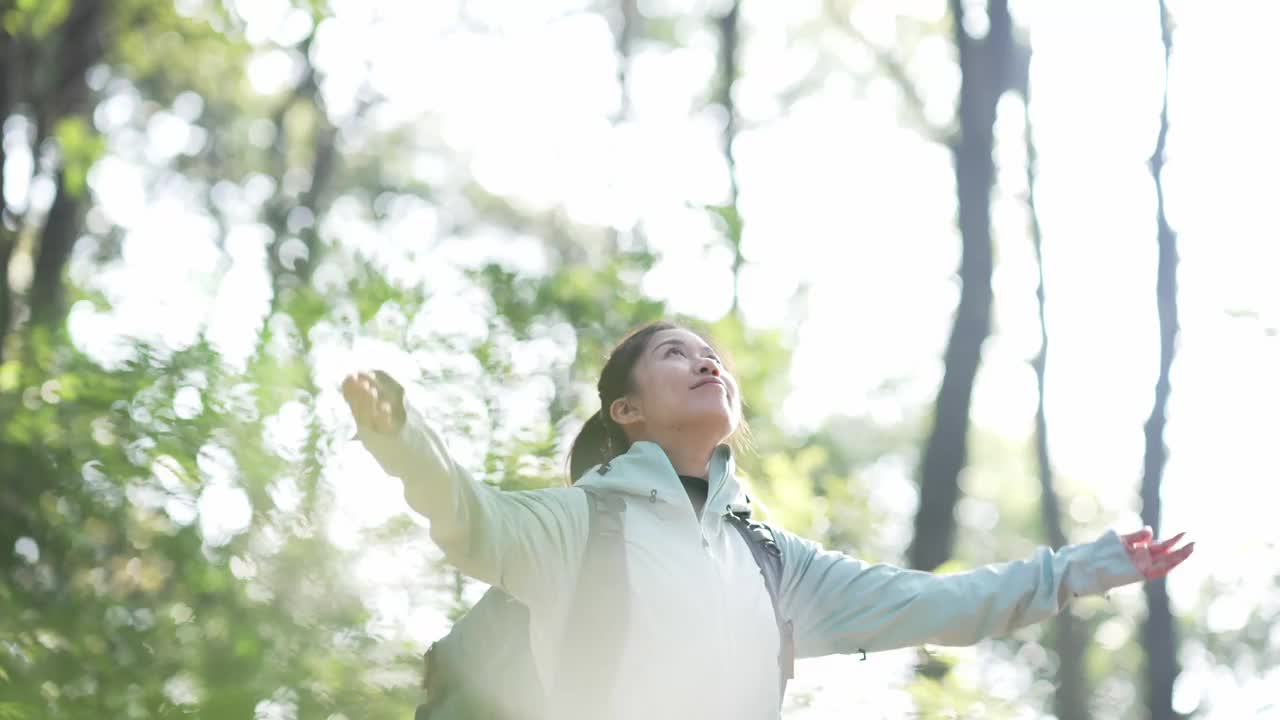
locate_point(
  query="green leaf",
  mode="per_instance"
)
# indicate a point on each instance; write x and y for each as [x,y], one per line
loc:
[36,17]
[47,15]
[16,711]
[10,373]
[69,386]
[81,148]
[728,215]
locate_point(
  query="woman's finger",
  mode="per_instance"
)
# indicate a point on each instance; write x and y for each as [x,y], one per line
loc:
[1163,546]
[1135,539]
[1162,565]
[387,385]
[359,406]
[351,391]
[368,406]
[381,416]
[1141,557]
[368,383]
[350,386]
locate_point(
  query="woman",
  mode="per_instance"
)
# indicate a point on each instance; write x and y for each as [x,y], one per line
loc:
[701,637]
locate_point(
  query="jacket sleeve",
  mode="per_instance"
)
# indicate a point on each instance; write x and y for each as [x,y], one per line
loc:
[528,543]
[842,605]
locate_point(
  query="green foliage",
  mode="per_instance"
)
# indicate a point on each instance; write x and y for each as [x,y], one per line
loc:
[36,18]
[791,496]
[165,52]
[952,699]
[80,148]
[125,599]
[730,221]
[15,711]
[9,374]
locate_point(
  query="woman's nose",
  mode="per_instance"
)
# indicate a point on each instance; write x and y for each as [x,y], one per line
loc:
[707,365]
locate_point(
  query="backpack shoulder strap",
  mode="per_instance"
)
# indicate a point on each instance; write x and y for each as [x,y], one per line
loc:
[604,512]
[596,621]
[768,556]
[483,666]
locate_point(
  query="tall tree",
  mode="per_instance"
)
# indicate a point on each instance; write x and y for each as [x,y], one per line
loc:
[626,22]
[985,65]
[79,46]
[730,40]
[1158,636]
[8,234]
[47,52]
[1071,692]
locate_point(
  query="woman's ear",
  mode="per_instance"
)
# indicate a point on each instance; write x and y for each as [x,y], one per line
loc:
[624,411]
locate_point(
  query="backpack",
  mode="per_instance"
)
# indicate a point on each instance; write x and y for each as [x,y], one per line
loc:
[483,668]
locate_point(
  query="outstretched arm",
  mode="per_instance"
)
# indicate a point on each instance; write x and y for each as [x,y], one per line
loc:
[527,543]
[839,604]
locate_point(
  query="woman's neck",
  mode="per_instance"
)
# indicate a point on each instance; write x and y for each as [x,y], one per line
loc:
[689,454]
[689,461]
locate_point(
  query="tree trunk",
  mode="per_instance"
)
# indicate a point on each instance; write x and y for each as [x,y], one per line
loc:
[324,160]
[1071,691]
[79,47]
[625,27]
[729,44]
[46,297]
[8,237]
[6,251]
[985,72]
[1157,631]
[291,275]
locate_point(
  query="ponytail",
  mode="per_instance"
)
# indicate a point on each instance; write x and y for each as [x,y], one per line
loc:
[599,441]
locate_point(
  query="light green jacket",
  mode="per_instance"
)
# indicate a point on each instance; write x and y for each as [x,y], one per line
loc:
[701,639]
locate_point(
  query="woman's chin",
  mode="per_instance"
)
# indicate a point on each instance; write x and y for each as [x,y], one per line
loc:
[718,418]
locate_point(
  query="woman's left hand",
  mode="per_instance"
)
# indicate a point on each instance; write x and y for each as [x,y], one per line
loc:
[1154,559]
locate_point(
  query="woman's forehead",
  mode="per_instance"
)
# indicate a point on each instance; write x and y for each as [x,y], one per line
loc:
[687,337]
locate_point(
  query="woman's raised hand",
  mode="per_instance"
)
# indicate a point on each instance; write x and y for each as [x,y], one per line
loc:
[1155,559]
[376,400]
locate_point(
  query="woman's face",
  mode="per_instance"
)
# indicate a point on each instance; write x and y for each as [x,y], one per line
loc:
[681,386]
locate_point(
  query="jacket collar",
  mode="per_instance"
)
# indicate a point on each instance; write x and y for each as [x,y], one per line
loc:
[646,471]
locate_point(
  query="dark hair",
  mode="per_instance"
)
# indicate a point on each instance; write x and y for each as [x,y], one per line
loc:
[601,439]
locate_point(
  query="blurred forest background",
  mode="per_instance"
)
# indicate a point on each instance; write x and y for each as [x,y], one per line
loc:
[988,279]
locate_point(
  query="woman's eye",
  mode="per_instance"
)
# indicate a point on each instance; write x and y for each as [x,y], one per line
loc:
[674,350]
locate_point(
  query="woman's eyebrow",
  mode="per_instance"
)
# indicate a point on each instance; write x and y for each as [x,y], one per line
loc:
[677,341]
[673,341]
